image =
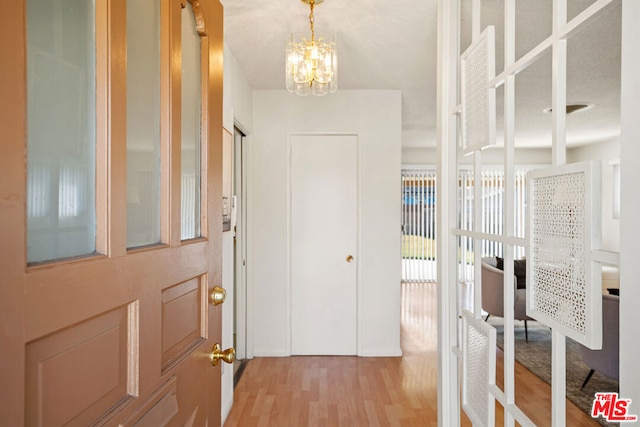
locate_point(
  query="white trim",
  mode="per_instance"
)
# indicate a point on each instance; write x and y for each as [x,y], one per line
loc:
[508,398]
[381,352]
[289,251]
[630,206]
[447,59]
[606,257]
[227,404]
[566,31]
[272,353]
[250,246]
[520,416]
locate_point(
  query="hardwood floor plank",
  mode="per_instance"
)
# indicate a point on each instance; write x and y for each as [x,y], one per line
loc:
[372,391]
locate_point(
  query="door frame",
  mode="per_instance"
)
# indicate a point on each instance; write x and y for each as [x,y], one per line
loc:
[289,237]
[241,306]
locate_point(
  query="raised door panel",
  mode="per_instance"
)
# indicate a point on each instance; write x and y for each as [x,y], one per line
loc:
[76,375]
[183,306]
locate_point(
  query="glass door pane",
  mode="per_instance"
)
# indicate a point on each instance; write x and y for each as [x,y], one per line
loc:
[191,111]
[61,117]
[143,122]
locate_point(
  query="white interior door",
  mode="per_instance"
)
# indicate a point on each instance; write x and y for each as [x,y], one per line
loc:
[324,231]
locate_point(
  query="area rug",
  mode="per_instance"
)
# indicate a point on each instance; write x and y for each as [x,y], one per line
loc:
[535,355]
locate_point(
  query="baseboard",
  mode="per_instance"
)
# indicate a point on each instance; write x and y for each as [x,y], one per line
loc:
[388,352]
[272,353]
[381,352]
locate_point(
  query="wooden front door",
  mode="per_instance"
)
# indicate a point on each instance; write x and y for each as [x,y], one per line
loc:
[107,269]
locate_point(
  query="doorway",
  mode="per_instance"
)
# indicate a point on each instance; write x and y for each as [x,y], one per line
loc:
[324,231]
[419,225]
[239,252]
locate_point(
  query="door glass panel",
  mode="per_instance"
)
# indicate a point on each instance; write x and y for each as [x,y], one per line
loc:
[61,117]
[191,110]
[143,122]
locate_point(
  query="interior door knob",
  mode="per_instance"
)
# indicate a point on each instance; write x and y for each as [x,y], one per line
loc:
[217,354]
[217,295]
[349,258]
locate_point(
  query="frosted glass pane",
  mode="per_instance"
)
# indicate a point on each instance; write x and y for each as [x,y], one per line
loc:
[61,217]
[191,110]
[143,122]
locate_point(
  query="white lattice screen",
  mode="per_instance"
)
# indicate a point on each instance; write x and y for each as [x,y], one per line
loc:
[564,223]
[478,99]
[478,369]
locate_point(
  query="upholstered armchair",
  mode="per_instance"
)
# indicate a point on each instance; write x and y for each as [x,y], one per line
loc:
[607,360]
[493,293]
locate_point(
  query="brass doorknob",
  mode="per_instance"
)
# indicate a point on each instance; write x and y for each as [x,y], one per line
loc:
[217,354]
[349,258]
[217,295]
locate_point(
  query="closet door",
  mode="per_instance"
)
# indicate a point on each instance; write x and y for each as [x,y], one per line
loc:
[324,231]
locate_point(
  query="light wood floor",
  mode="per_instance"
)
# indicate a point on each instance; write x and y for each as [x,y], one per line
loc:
[385,391]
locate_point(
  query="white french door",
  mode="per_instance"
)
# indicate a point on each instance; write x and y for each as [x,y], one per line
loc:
[490,59]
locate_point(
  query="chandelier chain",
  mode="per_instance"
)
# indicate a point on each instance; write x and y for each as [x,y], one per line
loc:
[312,20]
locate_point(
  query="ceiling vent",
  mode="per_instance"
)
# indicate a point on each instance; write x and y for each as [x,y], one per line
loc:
[573,108]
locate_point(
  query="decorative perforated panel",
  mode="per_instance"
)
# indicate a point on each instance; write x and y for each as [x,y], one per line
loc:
[478,101]
[478,369]
[563,289]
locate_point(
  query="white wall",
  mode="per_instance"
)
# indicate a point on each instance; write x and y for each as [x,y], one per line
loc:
[523,156]
[375,116]
[630,206]
[237,107]
[419,156]
[606,152]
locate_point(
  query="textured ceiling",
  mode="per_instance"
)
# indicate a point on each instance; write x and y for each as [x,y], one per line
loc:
[386,44]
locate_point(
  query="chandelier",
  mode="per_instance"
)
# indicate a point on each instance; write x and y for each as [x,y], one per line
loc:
[311,65]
